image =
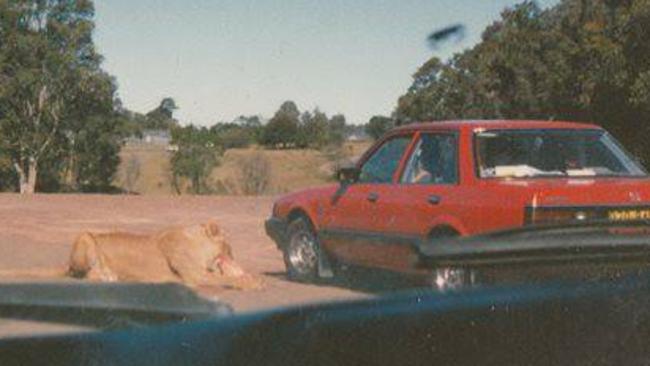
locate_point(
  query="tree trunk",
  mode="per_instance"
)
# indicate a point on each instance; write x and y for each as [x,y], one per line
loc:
[27,179]
[32,171]
[22,179]
[196,184]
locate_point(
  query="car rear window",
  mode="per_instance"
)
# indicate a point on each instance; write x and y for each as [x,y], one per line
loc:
[549,153]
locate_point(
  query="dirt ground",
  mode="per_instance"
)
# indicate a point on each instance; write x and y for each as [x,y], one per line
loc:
[38,231]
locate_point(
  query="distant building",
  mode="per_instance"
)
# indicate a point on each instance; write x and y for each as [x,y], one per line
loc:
[357,135]
[151,137]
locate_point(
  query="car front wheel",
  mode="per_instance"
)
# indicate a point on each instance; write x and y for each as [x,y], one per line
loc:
[301,252]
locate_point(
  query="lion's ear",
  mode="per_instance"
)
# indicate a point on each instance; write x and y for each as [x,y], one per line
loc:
[212,228]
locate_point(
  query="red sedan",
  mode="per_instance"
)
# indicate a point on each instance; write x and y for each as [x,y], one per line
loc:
[458,178]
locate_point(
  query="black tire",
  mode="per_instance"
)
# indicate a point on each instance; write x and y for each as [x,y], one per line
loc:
[301,252]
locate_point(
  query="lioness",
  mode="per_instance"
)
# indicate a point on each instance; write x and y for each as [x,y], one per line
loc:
[195,255]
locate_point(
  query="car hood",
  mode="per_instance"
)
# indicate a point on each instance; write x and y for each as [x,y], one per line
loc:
[322,191]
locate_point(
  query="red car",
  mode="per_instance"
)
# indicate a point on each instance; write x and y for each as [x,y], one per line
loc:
[457,178]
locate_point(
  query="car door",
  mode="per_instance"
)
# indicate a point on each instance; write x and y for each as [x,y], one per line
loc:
[350,225]
[427,190]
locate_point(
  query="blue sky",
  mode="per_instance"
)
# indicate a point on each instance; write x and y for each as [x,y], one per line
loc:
[221,59]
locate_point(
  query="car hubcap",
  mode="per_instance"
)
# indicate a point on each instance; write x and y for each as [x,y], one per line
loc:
[302,252]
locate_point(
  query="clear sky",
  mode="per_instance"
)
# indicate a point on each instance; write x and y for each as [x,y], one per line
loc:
[221,59]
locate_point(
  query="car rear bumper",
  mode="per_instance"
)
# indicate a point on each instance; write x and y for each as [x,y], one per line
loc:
[276,229]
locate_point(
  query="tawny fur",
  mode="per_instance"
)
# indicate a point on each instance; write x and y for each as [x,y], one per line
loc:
[195,256]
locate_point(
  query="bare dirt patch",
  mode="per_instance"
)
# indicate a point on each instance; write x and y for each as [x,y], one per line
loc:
[38,232]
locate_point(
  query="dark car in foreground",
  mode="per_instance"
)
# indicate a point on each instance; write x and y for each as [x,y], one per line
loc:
[434,181]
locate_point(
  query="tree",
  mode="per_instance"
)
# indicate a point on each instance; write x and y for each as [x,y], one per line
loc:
[48,68]
[378,126]
[198,150]
[162,117]
[315,129]
[233,135]
[282,129]
[336,127]
[253,125]
[578,60]
[304,139]
[95,133]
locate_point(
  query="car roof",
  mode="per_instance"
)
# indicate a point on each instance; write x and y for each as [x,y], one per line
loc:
[497,124]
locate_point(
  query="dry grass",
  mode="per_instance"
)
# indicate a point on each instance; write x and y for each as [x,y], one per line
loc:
[290,169]
[154,177]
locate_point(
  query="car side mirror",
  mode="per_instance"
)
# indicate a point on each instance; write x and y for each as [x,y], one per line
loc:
[348,175]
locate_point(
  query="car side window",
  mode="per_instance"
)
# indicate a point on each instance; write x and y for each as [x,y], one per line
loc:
[434,160]
[383,163]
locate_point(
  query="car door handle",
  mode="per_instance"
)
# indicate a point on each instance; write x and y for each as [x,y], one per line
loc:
[434,200]
[373,197]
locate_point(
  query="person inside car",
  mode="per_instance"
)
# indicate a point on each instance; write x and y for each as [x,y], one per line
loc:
[435,161]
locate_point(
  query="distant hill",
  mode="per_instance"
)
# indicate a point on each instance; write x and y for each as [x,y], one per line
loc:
[290,169]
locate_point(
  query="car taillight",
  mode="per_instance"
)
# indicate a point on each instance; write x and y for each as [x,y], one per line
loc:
[556,215]
[535,215]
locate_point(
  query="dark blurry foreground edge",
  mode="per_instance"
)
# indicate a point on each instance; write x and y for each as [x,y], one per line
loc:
[590,252]
[569,324]
[106,305]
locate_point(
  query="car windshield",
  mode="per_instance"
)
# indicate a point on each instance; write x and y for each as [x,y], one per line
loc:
[551,153]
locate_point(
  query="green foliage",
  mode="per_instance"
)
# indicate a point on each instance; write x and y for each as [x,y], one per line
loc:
[234,136]
[130,123]
[579,60]
[314,129]
[336,130]
[197,154]
[378,126]
[97,147]
[8,178]
[289,128]
[282,129]
[253,125]
[52,94]
[162,117]
[240,133]
[304,129]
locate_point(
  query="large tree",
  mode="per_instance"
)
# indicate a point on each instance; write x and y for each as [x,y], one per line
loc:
[50,82]
[579,60]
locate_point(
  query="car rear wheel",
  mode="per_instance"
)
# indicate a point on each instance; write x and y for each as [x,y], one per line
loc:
[301,252]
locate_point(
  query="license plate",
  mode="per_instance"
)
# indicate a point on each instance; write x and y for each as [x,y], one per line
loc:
[629,214]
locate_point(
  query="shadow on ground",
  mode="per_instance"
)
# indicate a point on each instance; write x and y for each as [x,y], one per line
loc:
[370,282]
